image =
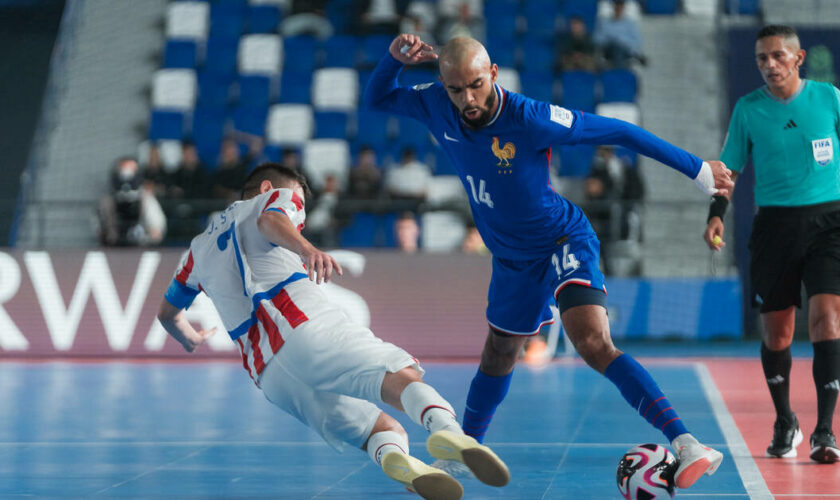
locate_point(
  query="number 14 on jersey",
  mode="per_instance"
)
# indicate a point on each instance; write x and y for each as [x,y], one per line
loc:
[481,196]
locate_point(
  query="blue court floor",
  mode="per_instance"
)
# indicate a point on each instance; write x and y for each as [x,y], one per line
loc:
[156,430]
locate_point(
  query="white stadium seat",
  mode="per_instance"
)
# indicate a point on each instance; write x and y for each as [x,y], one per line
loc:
[509,78]
[187,20]
[284,5]
[705,8]
[626,111]
[260,54]
[325,157]
[335,89]
[174,89]
[632,10]
[170,154]
[442,231]
[445,189]
[289,124]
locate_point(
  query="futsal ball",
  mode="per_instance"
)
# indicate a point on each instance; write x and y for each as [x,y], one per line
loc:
[646,472]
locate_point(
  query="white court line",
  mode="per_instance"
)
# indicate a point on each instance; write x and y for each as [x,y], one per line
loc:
[150,471]
[747,468]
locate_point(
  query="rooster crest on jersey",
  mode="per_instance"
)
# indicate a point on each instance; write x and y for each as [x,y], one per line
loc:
[646,472]
[504,154]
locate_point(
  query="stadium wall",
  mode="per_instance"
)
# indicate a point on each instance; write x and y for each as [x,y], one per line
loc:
[430,304]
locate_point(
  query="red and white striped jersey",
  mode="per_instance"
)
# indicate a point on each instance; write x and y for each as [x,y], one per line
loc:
[244,274]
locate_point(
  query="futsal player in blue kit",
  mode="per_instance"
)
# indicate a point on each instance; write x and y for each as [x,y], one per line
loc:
[543,247]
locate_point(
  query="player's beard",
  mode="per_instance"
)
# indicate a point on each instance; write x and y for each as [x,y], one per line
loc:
[484,117]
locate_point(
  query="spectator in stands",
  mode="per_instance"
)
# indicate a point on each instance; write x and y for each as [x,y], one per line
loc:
[188,182]
[154,174]
[619,38]
[461,18]
[185,204]
[410,179]
[576,50]
[307,17]
[320,220]
[291,158]
[408,232]
[366,176]
[379,17]
[420,19]
[130,215]
[230,172]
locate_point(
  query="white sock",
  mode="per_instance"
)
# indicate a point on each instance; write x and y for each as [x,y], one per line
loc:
[381,443]
[425,406]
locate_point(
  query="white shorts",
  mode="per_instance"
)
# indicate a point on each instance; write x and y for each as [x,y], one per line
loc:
[330,370]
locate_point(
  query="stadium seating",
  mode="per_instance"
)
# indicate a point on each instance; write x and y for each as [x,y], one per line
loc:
[300,53]
[341,51]
[326,157]
[221,56]
[295,87]
[187,20]
[263,18]
[509,79]
[413,133]
[290,124]
[373,48]
[632,10]
[586,9]
[626,111]
[250,119]
[537,55]
[368,230]
[255,90]
[335,89]
[541,19]
[180,54]
[166,124]
[207,131]
[260,54]
[227,20]
[666,7]
[213,89]
[174,89]
[444,189]
[618,85]
[578,90]
[442,231]
[538,85]
[745,7]
[330,125]
[503,15]
[502,50]
[372,129]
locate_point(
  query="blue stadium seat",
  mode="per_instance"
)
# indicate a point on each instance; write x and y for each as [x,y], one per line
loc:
[207,132]
[221,56]
[538,85]
[166,125]
[300,53]
[537,55]
[272,152]
[502,50]
[180,54]
[666,7]
[341,51]
[254,90]
[443,165]
[413,133]
[412,77]
[361,232]
[372,129]
[745,7]
[227,19]
[586,9]
[213,89]
[364,76]
[579,90]
[250,120]
[619,85]
[295,87]
[263,18]
[502,15]
[541,16]
[337,13]
[330,125]
[576,161]
[373,48]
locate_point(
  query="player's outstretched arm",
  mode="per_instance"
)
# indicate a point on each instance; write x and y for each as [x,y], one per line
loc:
[410,49]
[175,322]
[713,235]
[278,229]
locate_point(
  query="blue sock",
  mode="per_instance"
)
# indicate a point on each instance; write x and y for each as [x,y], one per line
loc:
[486,392]
[641,391]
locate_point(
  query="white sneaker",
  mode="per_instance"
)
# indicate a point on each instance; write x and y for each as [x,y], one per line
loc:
[486,465]
[454,468]
[694,460]
[428,482]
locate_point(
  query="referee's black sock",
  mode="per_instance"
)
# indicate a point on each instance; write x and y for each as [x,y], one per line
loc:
[776,366]
[826,369]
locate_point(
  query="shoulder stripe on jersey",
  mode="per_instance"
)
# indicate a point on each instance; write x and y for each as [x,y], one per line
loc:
[501,93]
[259,297]
[272,199]
[186,270]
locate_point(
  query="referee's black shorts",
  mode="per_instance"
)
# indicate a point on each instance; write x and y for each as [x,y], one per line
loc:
[793,245]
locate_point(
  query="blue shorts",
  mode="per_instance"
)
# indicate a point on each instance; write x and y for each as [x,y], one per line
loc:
[521,291]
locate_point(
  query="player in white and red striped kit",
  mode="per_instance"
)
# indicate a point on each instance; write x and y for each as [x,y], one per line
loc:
[304,353]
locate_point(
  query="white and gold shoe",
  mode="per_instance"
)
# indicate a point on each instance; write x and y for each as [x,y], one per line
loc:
[426,481]
[486,465]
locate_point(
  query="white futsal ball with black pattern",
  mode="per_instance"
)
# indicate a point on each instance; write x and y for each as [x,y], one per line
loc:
[646,472]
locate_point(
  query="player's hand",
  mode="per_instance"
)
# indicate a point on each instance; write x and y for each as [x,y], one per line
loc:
[714,234]
[197,338]
[410,49]
[723,178]
[320,265]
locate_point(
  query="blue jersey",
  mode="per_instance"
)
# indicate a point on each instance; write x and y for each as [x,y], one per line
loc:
[504,166]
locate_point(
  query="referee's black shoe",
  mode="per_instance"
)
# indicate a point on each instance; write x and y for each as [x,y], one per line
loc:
[786,437]
[824,447]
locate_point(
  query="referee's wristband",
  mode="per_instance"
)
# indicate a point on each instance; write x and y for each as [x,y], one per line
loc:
[718,207]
